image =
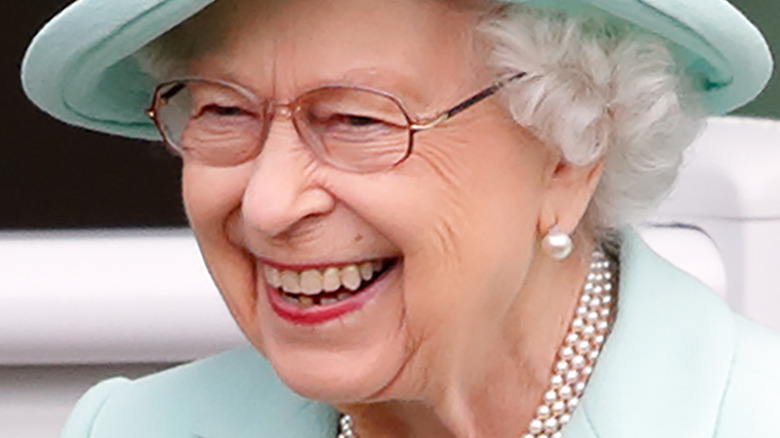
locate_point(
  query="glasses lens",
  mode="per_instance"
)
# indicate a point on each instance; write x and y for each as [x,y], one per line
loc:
[210,122]
[353,129]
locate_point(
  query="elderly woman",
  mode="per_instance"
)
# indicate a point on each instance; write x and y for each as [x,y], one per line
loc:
[418,212]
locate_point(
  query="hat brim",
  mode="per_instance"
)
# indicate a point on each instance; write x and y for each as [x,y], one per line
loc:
[80,70]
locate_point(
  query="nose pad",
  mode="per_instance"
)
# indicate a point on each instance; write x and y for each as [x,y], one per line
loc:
[283,188]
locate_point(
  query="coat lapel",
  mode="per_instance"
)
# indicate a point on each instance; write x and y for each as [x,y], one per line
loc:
[665,366]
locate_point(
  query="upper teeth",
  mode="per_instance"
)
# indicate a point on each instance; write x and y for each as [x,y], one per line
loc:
[317,281]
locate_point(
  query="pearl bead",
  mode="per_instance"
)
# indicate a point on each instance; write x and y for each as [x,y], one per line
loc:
[588,288]
[543,412]
[572,376]
[578,361]
[577,324]
[606,300]
[551,425]
[564,419]
[587,371]
[561,366]
[604,312]
[585,299]
[566,392]
[535,427]
[571,338]
[528,435]
[602,326]
[593,355]
[550,396]
[567,352]
[573,403]
[595,303]
[558,407]
[556,381]
[557,435]
[598,339]
[608,287]
[557,244]
[598,289]
[589,330]
[582,311]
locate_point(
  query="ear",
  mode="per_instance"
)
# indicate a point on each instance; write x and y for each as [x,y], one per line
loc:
[569,190]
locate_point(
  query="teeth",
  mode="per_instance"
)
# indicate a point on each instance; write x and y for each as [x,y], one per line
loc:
[291,282]
[272,276]
[331,280]
[350,277]
[366,271]
[343,296]
[313,282]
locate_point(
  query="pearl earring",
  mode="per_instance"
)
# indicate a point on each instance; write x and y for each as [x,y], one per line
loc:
[557,244]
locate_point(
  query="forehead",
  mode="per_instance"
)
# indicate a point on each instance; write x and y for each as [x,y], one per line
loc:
[284,46]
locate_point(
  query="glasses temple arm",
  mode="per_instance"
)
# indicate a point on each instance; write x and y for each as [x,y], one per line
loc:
[482,95]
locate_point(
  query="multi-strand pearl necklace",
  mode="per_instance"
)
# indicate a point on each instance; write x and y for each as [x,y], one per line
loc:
[575,360]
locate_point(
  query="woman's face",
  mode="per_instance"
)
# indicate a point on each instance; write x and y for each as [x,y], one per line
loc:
[455,225]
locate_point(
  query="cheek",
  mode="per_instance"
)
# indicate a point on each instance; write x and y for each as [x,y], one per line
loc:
[464,211]
[211,194]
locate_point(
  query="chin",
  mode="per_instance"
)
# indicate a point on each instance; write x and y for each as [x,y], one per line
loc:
[344,352]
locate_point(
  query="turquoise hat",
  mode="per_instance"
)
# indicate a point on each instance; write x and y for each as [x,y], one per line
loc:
[79,69]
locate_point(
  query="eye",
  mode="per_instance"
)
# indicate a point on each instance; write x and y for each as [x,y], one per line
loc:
[355,120]
[222,111]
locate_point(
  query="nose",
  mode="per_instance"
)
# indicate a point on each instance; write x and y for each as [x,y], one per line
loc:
[283,188]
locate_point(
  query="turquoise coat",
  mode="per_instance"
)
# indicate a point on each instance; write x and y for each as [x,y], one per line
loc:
[678,364]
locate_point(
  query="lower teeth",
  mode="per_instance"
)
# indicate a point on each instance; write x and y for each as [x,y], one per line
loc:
[305,301]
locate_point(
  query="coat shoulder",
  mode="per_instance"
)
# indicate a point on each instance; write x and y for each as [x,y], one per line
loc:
[177,401]
[752,394]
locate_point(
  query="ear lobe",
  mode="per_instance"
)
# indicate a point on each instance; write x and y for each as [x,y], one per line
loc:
[569,191]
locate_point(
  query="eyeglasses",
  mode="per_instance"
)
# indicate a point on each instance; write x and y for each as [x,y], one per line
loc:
[355,129]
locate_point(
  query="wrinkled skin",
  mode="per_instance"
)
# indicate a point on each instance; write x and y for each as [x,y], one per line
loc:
[468,325]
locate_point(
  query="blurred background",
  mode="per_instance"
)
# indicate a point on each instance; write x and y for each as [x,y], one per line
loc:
[131,296]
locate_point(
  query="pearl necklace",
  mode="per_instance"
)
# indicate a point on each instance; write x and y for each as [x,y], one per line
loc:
[575,360]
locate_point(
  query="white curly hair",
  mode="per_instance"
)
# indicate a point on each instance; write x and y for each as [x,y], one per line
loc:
[599,89]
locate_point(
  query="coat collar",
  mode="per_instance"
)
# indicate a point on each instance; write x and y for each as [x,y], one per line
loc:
[250,401]
[665,366]
[662,371]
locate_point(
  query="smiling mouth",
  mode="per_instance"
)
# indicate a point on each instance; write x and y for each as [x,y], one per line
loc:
[325,286]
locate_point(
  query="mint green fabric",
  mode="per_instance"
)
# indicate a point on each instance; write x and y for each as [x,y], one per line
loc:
[678,364]
[80,69]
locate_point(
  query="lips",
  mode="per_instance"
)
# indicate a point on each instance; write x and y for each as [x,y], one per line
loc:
[313,295]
